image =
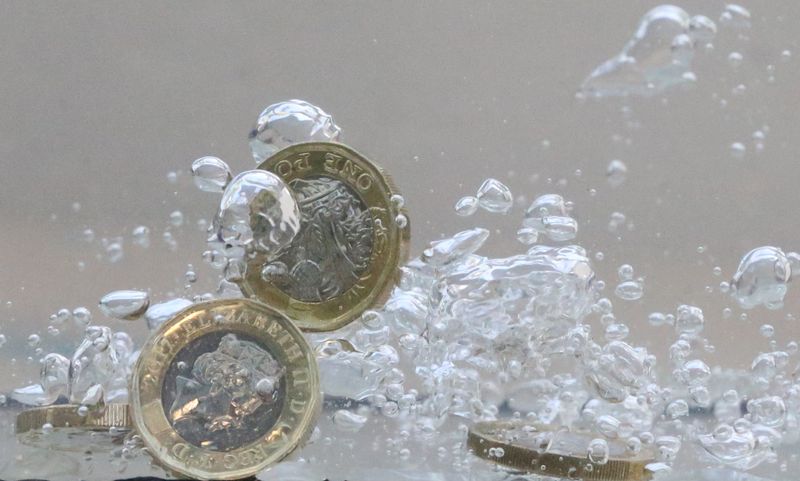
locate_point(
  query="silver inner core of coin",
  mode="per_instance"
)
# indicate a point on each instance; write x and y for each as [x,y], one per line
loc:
[223,391]
[334,244]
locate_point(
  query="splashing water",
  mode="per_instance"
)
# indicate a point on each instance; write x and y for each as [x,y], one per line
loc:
[761,278]
[286,123]
[126,305]
[211,174]
[659,55]
[257,212]
[467,337]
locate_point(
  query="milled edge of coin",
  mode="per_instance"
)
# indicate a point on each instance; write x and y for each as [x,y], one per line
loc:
[481,439]
[70,430]
[146,403]
[113,415]
[333,314]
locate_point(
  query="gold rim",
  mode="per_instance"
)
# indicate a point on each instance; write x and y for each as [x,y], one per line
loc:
[390,241]
[485,437]
[115,415]
[269,328]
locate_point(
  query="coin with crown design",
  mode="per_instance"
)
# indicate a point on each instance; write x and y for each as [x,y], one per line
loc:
[352,240]
[225,389]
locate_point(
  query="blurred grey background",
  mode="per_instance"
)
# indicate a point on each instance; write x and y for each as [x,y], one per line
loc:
[100,101]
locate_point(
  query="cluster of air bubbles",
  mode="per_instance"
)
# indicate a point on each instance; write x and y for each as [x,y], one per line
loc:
[96,373]
[492,196]
[550,216]
[289,122]
[629,289]
[467,337]
[658,57]
[257,213]
[762,277]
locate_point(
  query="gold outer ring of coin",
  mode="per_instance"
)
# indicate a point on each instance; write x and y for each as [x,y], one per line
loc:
[112,415]
[259,323]
[390,241]
[482,438]
[70,429]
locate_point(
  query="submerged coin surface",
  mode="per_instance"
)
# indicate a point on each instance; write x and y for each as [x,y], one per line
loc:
[554,451]
[353,237]
[62,427]
[225,389]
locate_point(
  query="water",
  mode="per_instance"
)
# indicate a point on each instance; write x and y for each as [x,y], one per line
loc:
[125,305]
[289,122]
[761,278]
[482,328]
[257,212]
[658,56]
[211,174]
[494,196]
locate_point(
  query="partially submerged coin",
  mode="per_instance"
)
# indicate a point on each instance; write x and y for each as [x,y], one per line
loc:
[225,389]
[554,451]
[353,237]
[63,427]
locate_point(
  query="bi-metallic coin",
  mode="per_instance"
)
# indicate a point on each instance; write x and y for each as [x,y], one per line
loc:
[555,451]
[65,427]
[352,240]
[225,389]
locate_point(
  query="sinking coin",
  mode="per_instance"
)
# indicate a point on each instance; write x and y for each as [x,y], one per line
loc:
[353,237]
[556,451]
[225,389]
[66,427]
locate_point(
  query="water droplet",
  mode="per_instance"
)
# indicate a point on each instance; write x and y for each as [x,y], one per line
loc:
[211,174]
[738,150]
[629,290]
[769,411]
[735,59]
[466,206]
[656,58]
[702,29]
[125,305]
[141,236]
[598,451]
[114,252]
[689,320]
[401,221]
[549,215]
[616,173]
[348,421]
[398,201]
[494,196]
[176,218]
[257,211]
[289,122]
[761,278]
[159,313]
[265,387]
[274,271]
[735,17]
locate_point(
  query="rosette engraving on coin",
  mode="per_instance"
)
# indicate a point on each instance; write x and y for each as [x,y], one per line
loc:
[334,245]
[346,256]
